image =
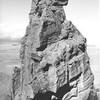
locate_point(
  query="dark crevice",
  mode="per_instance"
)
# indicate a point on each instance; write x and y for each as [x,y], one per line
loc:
[82,47]
[45,24]
[57,63]
[46,68]
[73,52]
[55,4]
[65,37]
[42,47]
[43,96]
[39,0]
[68,35]
[54,11]
[88,62]
[48,95]
[60,3]
[36,58]
[40,13]
[32,69]
[76,77]
[62,91]
[37,8]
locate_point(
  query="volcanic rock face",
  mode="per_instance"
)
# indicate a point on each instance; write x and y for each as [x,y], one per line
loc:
[55,64]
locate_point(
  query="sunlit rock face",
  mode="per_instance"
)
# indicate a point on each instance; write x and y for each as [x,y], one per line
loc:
[54,61]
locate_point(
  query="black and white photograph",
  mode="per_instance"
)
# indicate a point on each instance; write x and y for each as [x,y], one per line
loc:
[49,50]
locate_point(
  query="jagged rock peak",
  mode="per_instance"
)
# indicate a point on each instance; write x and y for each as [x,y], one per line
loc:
[54,60]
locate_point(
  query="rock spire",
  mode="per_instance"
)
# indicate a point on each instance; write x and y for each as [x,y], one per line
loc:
[54,61]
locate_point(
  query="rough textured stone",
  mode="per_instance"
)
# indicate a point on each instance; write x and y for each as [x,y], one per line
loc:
[54,61]
[16,84]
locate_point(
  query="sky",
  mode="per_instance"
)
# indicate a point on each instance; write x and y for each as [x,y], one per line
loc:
[83,13]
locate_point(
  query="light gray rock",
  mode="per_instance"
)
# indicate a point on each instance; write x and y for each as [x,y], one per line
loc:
[54,60]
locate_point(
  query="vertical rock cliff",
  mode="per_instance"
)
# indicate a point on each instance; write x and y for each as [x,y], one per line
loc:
[54,61]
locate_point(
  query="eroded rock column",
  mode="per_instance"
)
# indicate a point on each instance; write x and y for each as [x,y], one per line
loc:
[55,63]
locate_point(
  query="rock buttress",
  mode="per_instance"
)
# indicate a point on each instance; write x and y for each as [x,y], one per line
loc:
[55,63]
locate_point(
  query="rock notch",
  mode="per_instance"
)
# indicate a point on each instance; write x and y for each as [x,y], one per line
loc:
[54,61]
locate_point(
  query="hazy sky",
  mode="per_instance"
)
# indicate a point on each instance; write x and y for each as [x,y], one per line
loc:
[83,13]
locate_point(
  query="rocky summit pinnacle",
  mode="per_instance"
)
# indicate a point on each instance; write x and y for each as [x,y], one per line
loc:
[54,61]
